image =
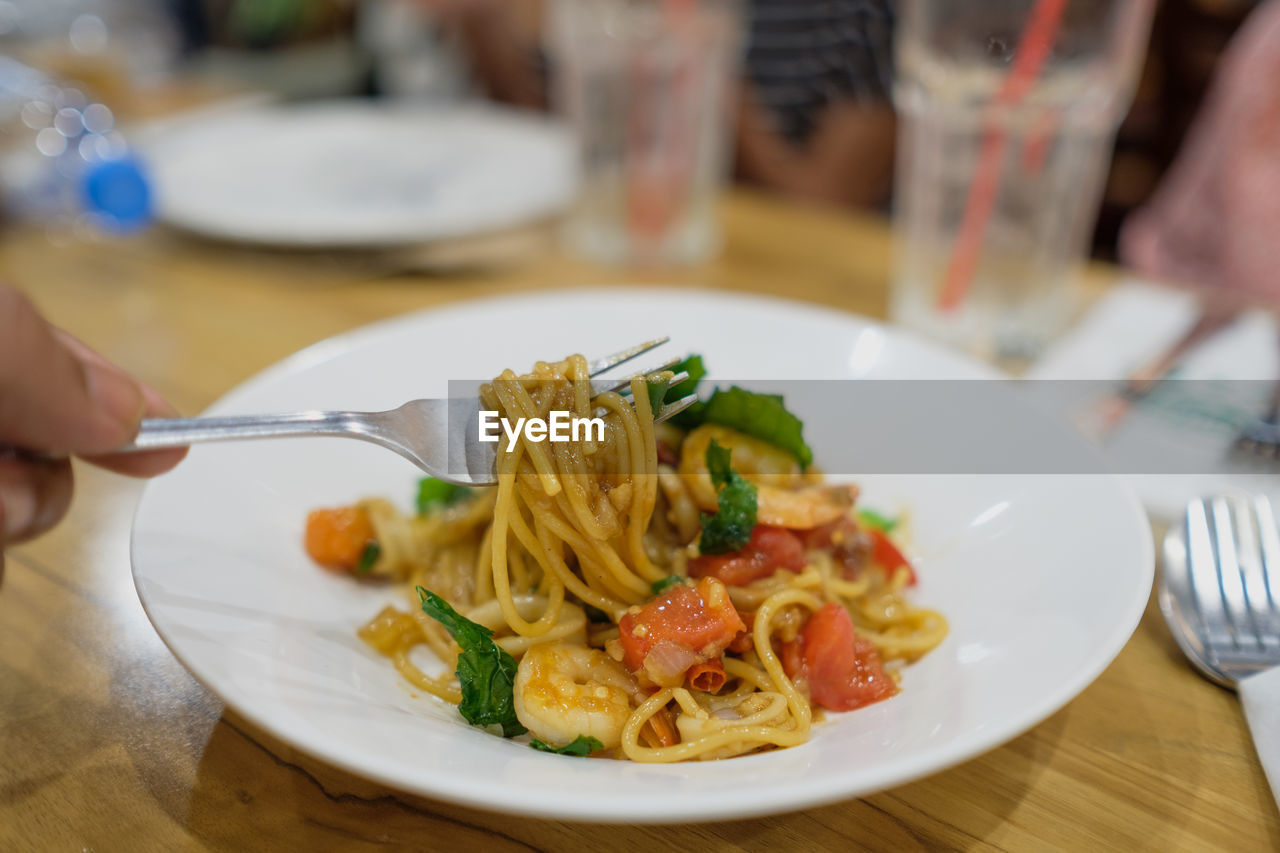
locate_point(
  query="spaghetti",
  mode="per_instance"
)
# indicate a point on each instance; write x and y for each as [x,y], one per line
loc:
[640,631]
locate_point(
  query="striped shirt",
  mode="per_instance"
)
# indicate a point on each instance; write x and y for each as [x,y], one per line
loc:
[805,54]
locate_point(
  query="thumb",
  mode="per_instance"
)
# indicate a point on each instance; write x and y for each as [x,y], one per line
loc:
[50,400]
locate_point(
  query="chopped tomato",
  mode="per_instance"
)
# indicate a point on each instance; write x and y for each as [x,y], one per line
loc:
[790,653]
[842,669]
[783,546]
[682,627]
[336,538]
[736,569]
[770,549]
[744,642]
[887,555]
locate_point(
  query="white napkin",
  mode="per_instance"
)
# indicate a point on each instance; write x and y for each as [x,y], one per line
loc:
[1132,324]
[1260,695]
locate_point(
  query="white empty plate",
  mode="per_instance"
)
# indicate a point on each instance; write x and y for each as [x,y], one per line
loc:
[359,173]
[1043,578]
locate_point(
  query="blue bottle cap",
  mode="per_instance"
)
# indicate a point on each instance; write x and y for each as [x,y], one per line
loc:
[117,194]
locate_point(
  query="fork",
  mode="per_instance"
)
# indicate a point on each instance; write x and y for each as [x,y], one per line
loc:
[429,433]
[1220,595]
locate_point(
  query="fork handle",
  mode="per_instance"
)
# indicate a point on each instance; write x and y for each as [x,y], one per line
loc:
[157,433]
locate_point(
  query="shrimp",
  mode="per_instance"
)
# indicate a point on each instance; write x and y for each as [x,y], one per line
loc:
[563,690]
[803,509]
[785,494]
[756,460]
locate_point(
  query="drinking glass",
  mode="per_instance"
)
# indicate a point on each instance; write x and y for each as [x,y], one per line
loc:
[647,85]
[1008,113]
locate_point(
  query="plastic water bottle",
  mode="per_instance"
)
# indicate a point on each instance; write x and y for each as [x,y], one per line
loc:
[62,161]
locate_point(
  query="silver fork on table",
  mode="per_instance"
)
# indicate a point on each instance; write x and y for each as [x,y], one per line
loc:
[1220,594]
[440,436]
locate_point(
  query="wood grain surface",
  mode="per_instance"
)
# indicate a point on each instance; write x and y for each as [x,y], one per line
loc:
[106,743]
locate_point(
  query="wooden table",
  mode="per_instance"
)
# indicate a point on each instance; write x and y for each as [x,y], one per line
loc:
[107,743]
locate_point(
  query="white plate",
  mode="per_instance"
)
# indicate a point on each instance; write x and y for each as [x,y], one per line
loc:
[359,174]
[1042,578]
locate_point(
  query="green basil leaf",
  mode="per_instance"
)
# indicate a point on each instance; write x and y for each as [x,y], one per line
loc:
[883,523]
[372,551]
[762,416]
[659,587]
[718,463]
[582,746]
[486,672]
[436,494]
[730,528]
[696,369]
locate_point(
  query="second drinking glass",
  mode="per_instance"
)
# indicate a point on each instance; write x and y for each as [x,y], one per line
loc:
[647,86]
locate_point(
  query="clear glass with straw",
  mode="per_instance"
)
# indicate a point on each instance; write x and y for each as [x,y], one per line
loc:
[647,85]
[1008,112]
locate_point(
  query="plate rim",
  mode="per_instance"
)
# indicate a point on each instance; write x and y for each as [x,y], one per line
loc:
[927,762]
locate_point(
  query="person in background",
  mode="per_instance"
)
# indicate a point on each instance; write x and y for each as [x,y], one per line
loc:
[59,398]
[815,119]
[1215,219]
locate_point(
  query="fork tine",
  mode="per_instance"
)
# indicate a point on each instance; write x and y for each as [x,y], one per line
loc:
[601,365]
[1249,557]
[1230,574]
[1205,585]
[675,408]
[1266,606]
[614,383]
